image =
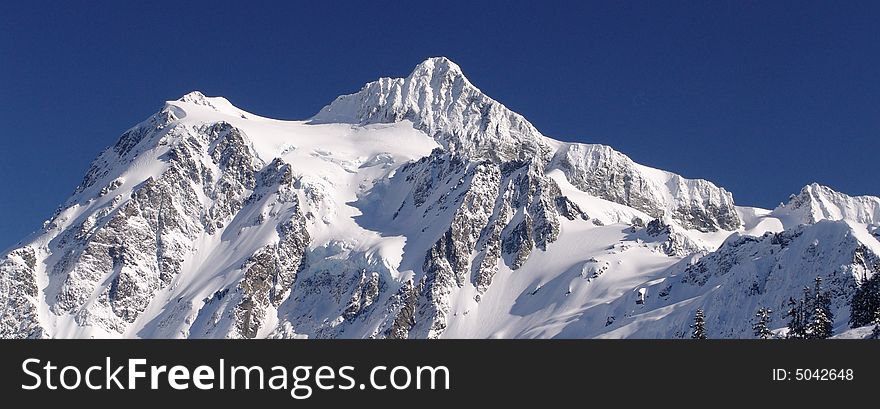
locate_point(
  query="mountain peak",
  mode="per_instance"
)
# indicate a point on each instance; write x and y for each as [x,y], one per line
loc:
[219,104]
[437,67]
[816,202]
[194,97]
[440,101]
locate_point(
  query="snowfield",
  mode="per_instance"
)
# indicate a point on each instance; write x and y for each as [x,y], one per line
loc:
[417,207]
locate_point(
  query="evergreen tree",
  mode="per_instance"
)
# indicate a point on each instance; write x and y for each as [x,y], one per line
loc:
[822,319]
[807,308]
[796,325]
[699,325]
[865,302]
[762,325]
[822,325]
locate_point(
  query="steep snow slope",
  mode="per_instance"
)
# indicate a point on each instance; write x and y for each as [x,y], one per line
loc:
[417,207]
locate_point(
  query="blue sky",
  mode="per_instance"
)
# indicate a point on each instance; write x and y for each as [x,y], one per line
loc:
[759,97]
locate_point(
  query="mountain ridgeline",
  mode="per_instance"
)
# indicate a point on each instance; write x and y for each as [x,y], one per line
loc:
[418,207]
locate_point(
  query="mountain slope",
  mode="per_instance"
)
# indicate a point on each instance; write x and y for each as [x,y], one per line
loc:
[416,207]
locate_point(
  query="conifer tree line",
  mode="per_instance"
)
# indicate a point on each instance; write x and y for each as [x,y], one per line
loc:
[865,305]
[811,316]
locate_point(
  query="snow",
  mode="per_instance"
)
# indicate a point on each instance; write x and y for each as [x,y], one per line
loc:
[512,309]
[856,333]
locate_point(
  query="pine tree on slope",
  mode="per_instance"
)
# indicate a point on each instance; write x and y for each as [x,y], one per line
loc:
[762,325]
[796,325]
[822,323]
[699,325]
[865,303]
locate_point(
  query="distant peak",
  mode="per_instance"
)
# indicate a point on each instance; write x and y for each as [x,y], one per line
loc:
[814,190]
[816,202]
[814,186]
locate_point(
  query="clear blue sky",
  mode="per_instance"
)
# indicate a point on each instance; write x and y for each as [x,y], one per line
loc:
[760,97]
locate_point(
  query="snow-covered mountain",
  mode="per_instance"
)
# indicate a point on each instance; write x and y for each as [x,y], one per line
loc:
[416,207]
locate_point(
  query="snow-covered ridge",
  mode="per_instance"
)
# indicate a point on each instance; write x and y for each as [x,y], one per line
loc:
[218,104]
[440,100]
[603,172]
[816,202]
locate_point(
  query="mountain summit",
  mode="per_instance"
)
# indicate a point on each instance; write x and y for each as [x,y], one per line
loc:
[441,102]
[417,207]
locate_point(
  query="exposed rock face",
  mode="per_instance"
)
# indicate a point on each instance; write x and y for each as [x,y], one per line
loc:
[674,243]
[19,317]
[404,303]
[271,271]
[269,275]
[120,255]
[502,212]
[237,166]
[448,261]
[363,296]
[606,173]
[569,209]
[128,147]
[113,261]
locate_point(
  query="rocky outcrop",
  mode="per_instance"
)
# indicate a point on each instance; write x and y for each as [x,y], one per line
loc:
[19,296]
[403,304]
[503,211]
[131,144]
[672,242]
[363,296]
[268,277]
[747,273]
[611,175]
[138,247]
[237,165]
[269,274]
